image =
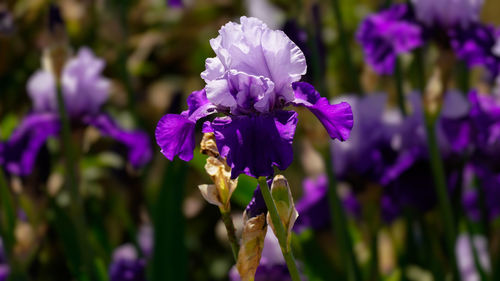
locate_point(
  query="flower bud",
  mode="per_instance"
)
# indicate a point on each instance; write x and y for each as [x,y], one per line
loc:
[208,145]
[282,197]
[220,192]
[252,243]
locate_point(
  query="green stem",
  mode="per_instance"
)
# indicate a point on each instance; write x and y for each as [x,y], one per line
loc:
[344,42]
[170,257]
[76,207]
[441,189]
[231,232]
[281,233]
[339,225]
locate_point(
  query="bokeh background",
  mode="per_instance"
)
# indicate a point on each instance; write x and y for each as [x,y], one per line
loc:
[154,54]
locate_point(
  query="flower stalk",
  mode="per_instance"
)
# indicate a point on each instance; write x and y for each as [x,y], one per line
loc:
[231,232]
[339,225]
[279,229]
[433,96]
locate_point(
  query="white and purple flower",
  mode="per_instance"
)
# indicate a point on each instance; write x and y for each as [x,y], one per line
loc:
[252,80]
[84,91]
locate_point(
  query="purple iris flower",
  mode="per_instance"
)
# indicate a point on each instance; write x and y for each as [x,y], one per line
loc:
[127,265]
[84,90]
[475,134]
[389,149]
[251,81]
[313,207]
[387,34]
[447,13]
[4,266]
[475,44]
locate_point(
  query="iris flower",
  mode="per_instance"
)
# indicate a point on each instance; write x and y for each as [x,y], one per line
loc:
[249,84]
[84,91]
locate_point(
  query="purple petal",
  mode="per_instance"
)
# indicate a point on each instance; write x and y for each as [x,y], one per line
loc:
[475,45]
[313,207]
[175,136]
[387,34]
[199,106]
[84,88]
[336,118]
[175,3]
[126,265]
[257,205]
[254,144]
[137,142]
[19,153]
[448,13]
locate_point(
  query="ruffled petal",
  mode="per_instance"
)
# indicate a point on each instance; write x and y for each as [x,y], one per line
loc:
[336,118]
[175,136]
[252,145]
[137,142]
[19,153]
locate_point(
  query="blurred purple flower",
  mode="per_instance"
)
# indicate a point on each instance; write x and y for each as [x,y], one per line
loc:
[84,90]
[313,207]
[465,256]
[387,34]
[475,45]
[448,13]
[127,265]
[272,265]
[6,23]
[175,3]
[251,80]
[389,149]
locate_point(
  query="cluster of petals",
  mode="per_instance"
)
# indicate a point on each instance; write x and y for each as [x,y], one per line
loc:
[454,24]
[249,84]
[84,91]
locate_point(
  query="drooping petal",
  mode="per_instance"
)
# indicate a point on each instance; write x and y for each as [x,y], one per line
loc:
[137,142]
[336,118]
[175,136]
[254,144]
[19,153]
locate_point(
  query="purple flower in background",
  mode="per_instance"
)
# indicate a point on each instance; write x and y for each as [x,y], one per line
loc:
[272,265]
[4,266]
[84,90]
[127,265]
[174,3]
[387,34]
[251,80]
[313,207]
[368,151]
[465,256]
[475,44]
[448,13]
